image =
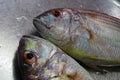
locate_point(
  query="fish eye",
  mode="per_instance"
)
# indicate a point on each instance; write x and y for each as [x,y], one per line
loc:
[56,13]
[29,57]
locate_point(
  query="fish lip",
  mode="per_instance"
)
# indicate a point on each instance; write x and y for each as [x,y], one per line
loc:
[37,21]
[30,37]
[27,36]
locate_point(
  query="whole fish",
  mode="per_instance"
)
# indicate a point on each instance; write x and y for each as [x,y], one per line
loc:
[38,59]
[89,36]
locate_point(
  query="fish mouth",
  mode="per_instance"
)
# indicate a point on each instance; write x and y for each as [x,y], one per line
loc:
[38,23]
[26,37]
[29,36]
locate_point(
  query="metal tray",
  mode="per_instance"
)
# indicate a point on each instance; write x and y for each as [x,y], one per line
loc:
[16,20]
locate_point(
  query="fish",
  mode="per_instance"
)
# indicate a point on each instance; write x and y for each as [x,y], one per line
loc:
[38,59]
[88,36]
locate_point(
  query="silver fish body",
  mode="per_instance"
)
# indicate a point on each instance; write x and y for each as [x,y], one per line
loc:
[38,59]
[88,36]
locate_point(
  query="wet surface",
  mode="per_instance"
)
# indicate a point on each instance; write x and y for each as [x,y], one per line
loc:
[16,20]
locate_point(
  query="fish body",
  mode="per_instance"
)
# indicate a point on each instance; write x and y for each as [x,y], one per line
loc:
[38,59]
[88,36]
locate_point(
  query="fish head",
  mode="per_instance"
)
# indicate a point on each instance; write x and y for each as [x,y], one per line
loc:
[32,55]
[56,24]
[28,57]
[36,57]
